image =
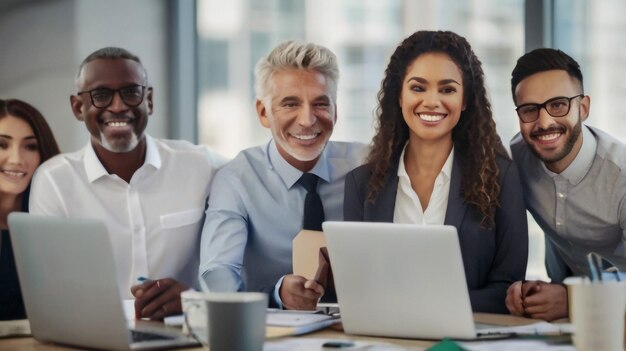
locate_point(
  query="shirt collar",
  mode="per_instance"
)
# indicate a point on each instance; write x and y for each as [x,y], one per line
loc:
[577,170]
[95,170]
[446,170]
[288,173]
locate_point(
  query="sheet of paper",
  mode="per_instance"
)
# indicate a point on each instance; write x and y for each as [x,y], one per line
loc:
[289,323]
[292,319]
[515,345]
[539,328]
[315,344]
[18,327]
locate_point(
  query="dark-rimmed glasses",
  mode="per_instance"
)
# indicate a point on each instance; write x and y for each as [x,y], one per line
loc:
[132,95]
[556,107]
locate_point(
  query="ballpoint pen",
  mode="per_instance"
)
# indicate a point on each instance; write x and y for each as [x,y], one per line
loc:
[142,279]
[613,270]
[594,261]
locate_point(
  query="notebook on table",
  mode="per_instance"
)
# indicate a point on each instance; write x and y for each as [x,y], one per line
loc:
[401,280]
[68,278]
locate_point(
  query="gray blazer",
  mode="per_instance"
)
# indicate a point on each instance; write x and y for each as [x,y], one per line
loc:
[493,257]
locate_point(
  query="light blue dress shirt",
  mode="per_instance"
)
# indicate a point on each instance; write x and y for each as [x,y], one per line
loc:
[255,210]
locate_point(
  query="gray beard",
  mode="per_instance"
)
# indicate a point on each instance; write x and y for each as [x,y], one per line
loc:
[120,145]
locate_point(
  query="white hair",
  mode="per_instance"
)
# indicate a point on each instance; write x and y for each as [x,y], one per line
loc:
[298,55]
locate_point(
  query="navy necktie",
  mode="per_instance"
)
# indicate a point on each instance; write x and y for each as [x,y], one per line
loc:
[313,209]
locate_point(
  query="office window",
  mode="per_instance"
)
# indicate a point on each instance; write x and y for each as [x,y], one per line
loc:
[233,35]
[592,32]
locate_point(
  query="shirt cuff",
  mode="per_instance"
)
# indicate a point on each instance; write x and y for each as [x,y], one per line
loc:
[279,302]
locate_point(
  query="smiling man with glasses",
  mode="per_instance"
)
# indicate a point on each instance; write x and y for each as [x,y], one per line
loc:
[150,193]
[574,178]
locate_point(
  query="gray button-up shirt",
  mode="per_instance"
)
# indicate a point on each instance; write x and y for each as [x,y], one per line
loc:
[583,208]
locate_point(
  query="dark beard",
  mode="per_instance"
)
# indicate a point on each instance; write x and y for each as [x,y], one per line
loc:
[567,148]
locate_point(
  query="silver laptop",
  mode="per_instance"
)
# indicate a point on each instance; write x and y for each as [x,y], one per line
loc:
[400,280]
[68,278]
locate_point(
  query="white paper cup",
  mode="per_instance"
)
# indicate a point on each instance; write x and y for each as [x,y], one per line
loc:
[597,313]
[195,310]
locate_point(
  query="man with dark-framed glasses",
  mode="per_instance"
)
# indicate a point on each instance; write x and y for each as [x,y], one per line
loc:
[573,176]
[150,193]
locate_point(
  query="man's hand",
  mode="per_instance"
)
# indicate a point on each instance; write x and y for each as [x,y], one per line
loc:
[297,293]
[156,299]
[537,299]
[547,301]
[514,301]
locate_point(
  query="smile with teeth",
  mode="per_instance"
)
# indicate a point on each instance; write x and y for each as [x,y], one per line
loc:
[430,118]
[548,137]
[15,174]
[305,136]
[116,123]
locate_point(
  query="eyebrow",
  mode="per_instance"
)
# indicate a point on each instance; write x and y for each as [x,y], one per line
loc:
[10,137]
[324,98]
[441,82]
[289,99]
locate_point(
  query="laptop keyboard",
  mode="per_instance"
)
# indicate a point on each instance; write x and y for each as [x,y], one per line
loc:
[138,336]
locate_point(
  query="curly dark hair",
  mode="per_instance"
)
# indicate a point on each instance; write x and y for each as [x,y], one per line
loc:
[475,138]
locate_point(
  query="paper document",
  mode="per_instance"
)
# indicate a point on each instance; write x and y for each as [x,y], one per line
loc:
[281,324]
[316,344]
[539,328]
[280,319]
[18,327]
[516,345]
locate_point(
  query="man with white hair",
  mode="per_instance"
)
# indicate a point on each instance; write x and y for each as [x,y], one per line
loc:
[257,203]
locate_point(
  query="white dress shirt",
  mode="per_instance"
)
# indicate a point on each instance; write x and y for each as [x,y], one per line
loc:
[154,220]
[408,208]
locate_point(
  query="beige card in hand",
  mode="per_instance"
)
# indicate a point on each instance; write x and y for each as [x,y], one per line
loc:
[306,251]
[310,260]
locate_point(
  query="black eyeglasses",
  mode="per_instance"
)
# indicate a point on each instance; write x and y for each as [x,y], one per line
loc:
[556,107]
[132,95]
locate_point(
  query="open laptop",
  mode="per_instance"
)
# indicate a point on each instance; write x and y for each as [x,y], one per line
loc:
[400,280]
[68,278]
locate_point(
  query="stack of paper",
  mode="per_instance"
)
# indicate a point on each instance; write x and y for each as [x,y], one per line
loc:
[285,323]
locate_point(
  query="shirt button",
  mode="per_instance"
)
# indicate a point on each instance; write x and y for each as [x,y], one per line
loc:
[558,223]
[560,195]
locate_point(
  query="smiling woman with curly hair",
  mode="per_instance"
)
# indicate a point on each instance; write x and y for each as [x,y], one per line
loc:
[437,159]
